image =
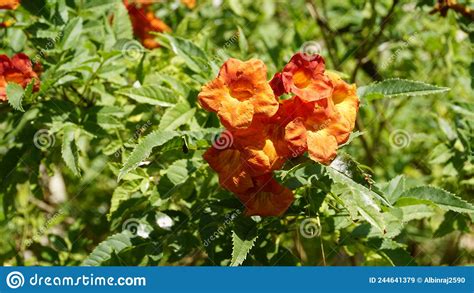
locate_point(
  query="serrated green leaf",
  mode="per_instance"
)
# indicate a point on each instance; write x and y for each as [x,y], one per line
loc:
[105,250]
[240,250]
[442,198]
[243,239]
[69,150]
[15,94]
[398,87]
[72,33]
[153,95]
[358,198]
[176,116]
[144,148]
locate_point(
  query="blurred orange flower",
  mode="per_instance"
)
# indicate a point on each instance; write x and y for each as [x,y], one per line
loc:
[19,70]
[239,93]
[189,3]
[144,22]
[9,4]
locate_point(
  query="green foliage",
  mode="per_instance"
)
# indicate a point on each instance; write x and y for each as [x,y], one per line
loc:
[103,165]
[399,87]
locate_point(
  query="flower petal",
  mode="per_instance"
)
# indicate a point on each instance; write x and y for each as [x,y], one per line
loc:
[239,93]
[9,4]
[322,146]
[305,78]
[266,198]
[232,170]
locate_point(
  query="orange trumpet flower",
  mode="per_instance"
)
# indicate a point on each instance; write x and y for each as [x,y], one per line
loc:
[19,70]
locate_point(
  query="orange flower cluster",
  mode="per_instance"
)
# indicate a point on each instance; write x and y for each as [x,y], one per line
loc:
[9,4]
[144,22]
[264,131]
[19,70]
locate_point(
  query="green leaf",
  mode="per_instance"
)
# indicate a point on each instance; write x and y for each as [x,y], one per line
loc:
[243,44]
[15,94]
[72,33]
[143,150]
[194,56]
[243,239]
[176,116]
[416,212]
[153,95]
[106,249]
[122,25]
[69,150]
[398,257]
[394,188]
[398,87]
[236,7]
[452,222]
[179,171]
[444,199]
[94,5]
[121,193]
[358,198]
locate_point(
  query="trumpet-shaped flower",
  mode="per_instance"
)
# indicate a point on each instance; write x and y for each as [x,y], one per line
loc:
[239,93]
[19,70]
[266,198]
[303,77]
[265,133]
